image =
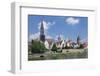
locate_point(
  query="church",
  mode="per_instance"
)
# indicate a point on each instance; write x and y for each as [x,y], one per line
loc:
[42,35]
[60,43]
[48,42]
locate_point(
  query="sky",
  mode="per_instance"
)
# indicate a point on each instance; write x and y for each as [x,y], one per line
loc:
[67,27]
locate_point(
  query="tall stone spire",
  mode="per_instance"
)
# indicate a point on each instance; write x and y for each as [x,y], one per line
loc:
[78,40]
[42,28]
[42,35]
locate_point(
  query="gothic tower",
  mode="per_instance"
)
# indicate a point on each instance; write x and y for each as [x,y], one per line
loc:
[59,38]
[78,40]
[42,35]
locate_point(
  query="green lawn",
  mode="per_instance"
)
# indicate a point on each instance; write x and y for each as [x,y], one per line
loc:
[65,54]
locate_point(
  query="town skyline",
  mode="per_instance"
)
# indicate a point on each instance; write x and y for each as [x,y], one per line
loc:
[67,27]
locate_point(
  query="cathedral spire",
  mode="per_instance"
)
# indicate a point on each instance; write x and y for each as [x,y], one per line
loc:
[42,35]
[78,39]
[42,27]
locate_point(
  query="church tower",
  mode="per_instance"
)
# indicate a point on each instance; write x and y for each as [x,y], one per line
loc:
[59,38]
[42,35]
[78,40]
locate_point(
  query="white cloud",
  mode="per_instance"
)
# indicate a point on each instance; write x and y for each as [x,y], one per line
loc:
[84,40]
[46,25]
[48,37]
[34,36]
[72,21]
[51,23]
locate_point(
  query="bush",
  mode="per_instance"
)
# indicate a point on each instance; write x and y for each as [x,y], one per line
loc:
[37,47]
[80,46]
[54,48]
[42,56]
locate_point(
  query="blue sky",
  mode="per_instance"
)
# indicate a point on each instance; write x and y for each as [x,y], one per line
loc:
[65,26]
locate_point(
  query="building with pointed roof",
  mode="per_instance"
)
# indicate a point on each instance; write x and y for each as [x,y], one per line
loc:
[42,35]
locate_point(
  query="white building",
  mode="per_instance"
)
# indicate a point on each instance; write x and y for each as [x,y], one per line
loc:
[49,43]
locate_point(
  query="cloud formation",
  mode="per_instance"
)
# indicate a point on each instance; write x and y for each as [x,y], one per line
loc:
[84,40]
[46,25]
[34,36]
[72,21]
[48,37]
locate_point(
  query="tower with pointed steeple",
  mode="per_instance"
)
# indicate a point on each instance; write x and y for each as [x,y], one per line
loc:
[59,38]
[42,35]
[78,40]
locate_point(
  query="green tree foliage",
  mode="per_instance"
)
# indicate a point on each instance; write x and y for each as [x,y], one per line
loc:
[81,46]
[54,48]
[37,47]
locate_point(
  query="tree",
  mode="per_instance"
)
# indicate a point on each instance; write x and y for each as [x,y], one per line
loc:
[54,48]
[37,47]
[81,46]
